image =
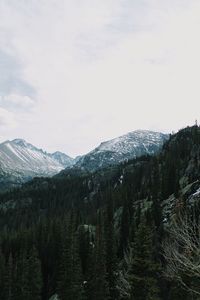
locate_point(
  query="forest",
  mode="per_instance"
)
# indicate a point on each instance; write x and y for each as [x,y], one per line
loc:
[126,232]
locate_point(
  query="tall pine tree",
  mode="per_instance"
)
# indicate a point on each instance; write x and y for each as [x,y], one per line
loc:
[143,277]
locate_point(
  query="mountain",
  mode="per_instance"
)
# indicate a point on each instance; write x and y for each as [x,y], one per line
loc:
[21,161]
[128,220]
[63,159]
[129,146]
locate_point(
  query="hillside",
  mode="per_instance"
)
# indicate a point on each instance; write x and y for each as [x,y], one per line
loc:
[129,146]
[20,161]
[111,224]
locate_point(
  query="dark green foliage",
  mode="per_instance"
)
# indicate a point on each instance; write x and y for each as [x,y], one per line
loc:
[110,243]
[124,228]
[21,279]
[8,279]
[144,274]
[68,234]
[77,278]
[2,276]
[34,276]
[98,285]
[70,283]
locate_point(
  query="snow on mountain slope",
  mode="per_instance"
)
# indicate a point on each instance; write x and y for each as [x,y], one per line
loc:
[20,157]
[21,161]
[132,140]
[128,146]
[63,159]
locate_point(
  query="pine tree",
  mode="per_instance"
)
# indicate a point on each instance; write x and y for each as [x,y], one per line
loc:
[77,279]
[21,277]
[70,282]
[8,283]
[143,276]
[34,276]
[91,273]
[98,285]
[111,259]
[124,228]
[2,276]
[65,273]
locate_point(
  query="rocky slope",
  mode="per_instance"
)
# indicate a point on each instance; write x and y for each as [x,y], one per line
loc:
[21,161]
[123,148]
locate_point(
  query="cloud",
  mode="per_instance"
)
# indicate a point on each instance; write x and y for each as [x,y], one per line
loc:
[95,69]
[11,78]
[15,102]
[7,119]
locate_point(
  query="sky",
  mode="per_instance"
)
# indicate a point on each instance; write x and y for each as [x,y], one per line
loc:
[74,73]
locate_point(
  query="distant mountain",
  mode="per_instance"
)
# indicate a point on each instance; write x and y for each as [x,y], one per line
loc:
[160,194]
[63,159]
[21,161]
[125,147]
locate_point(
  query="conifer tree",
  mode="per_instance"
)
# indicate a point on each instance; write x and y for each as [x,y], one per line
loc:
[65,274]
[70,280]
[111,259]
[143,276]
[124,228]
[34,276]
[91,273]
[99,284]
[8,279]
[2,275]
[77,279]
[21,277]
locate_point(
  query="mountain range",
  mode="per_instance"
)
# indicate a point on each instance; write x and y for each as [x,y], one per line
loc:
[129,146]
[21,161]
[123,226]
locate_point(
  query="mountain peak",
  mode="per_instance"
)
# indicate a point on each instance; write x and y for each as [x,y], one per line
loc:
[25,144]
[19,141]
[127,146]
[22,161]
[125,143]
[63,158]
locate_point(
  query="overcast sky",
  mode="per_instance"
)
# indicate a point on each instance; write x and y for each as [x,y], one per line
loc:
[74,73]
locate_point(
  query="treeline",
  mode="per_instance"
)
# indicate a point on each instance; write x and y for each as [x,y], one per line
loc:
[79,261]
[98,236]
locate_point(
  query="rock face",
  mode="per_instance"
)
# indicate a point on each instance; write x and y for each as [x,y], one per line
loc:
[128,146]
[21,161]
[63,159]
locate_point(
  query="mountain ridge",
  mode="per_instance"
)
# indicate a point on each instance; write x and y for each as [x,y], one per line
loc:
[21,161]
[111,205]
[128,146]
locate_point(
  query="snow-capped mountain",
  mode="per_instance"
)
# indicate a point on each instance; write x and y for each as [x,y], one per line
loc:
[20,161]
[128,146]
[63,159]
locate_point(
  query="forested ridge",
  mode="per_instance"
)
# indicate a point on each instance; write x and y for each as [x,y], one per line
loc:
[112,234]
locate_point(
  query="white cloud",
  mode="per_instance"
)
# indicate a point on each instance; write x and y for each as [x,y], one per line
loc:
[101,68]
[16,102]
[7,120]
